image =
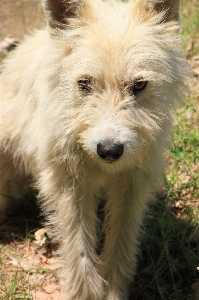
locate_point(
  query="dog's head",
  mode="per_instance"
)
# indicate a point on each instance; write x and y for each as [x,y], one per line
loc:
[121,76]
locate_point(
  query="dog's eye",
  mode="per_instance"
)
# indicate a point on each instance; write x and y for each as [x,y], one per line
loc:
[85,84]
[135,87]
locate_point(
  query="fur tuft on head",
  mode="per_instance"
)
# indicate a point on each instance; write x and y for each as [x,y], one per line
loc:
[69,14]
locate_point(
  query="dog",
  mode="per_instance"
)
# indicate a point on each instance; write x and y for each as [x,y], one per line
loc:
[86,111]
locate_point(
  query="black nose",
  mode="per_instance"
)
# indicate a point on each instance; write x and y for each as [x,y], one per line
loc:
[110,152]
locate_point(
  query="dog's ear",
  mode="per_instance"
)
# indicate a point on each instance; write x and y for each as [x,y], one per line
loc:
[171,8]
[60,12]
[145,9]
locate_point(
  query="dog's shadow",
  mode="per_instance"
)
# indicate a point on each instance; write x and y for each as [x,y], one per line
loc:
[21,223]
[168,257]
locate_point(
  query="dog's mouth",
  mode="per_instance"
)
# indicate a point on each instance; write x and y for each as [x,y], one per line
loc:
[110,160]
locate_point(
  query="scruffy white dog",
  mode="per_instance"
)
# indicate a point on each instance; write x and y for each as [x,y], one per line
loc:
[86,107]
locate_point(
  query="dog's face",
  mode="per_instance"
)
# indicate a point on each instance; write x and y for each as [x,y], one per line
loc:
[124,75]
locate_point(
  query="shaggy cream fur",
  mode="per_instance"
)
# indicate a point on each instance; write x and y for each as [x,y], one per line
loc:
[86,110]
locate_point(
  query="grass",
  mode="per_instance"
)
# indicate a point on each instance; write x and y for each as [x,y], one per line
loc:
[169,254]
[12,290]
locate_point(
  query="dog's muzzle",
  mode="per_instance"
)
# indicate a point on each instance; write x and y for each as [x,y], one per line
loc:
[110,152]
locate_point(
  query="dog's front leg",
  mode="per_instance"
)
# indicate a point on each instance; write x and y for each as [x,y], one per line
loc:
[70,207]
[123,215]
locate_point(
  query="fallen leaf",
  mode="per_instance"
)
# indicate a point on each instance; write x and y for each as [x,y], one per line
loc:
[40,236]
